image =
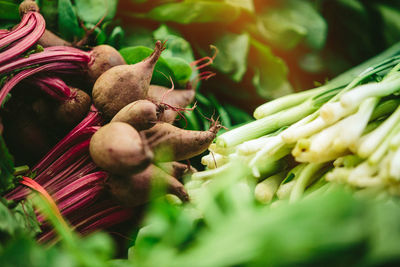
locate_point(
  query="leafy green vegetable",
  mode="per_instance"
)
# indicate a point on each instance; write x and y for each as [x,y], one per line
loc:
[6,168]
[176,45]
[116,37]
[232,56]
[68,20]
[17,219]
[390,18]
[93,10]
[166,67]
[195,11]
[232,230]
[270,72]
[8,10]
[291,22]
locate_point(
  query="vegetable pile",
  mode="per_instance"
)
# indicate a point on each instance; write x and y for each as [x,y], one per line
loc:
[103,143]
[344,131]
[120,141]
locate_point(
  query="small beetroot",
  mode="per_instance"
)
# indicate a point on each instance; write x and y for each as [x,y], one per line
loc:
[172,143]
[141,114]
[134,190]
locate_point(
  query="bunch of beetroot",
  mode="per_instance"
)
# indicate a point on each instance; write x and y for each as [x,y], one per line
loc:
[120,139]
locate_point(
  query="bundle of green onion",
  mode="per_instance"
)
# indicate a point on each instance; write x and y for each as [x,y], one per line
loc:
[346,131]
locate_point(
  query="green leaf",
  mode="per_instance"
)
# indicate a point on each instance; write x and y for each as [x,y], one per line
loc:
[17,218]
[176,45]
[175,68]
[232,56]
[192,11]
[391,23]
[180,68]
[270,72]
[292,22]
[68,21]
[8,10]
[49,10]
[138,36]
[116,37]
[6,167]
[245,4]
[93,10]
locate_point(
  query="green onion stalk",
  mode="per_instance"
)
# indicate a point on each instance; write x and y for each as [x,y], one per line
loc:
[346,131]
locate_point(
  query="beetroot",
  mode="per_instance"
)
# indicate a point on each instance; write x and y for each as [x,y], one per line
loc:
[141,114]
[172,143]
[28,6]
[104,58]
[133,190]
[176,169]
[73,103]
[50,39]
[124,84]
[174,99]
[117,147]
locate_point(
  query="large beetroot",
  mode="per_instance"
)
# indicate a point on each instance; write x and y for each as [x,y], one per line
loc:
[117,147]
[124,84]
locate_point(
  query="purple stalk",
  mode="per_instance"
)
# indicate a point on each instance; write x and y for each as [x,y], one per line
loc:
[82,131]
[77,185]
[4,33]
[29,72]
[80,200]
[102,221]
[27,25]
[54,87]
[80,192]
[85,170]
[76,169]
[65,160]
[25,43]
[61,55]
[21,192]
[71,156]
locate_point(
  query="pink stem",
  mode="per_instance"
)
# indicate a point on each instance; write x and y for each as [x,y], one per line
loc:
[81,131]
[54,87]
[28,26]
[102,221]
[77,185]
[68,174]
[80,200]
[87,169]
[70,55]
[4,33]
[29,72]
[24,44]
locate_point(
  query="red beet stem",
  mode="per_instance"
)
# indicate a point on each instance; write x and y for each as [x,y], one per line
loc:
[80,200]
[74,187]
[4,33]
[25,43]
[27,25]
[54,87]
[61,55]
[29,72]
[104,220]
[69,173]
[65,160]
[81,131]
[87,168]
